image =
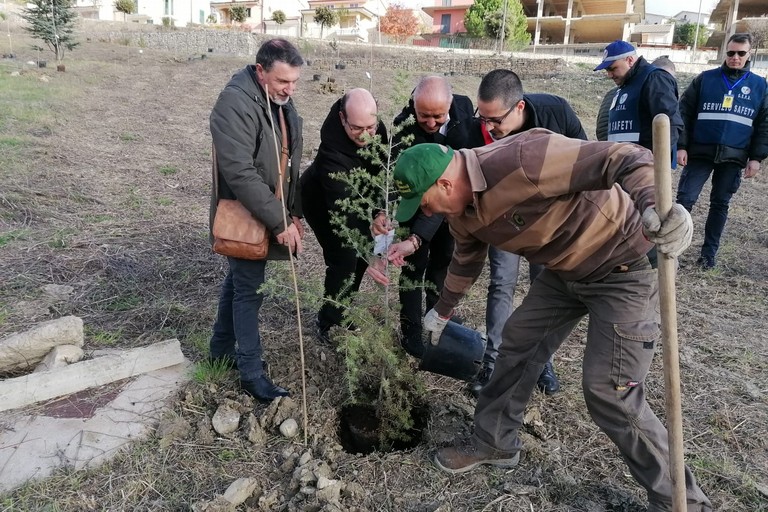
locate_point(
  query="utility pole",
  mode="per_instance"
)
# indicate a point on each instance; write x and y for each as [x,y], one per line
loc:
[8,22]
[503,29]
[696,36]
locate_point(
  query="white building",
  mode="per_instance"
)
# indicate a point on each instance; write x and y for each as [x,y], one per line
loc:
[357,19]
[259,15]
[179,13]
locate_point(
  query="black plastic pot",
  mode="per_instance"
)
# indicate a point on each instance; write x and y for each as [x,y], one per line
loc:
[458,353]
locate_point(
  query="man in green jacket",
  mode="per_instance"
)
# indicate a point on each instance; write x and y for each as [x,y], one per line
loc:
[244,136]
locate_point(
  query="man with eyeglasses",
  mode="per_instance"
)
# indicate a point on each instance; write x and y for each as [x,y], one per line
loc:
[725,111]
[446,118]
[349,126]
[503,110]
[643,92]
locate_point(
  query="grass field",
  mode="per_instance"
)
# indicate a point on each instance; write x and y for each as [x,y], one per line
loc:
[104,186]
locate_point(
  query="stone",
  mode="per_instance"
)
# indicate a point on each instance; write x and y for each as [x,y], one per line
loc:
[240,490]
[23,350]
[58,292]
[328,491]
[305,458]
[289,428]
[256,434]
[225,420]
[59,357]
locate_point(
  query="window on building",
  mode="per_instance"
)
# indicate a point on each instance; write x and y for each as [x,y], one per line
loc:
[201,15]
[247,12]
[168,7]
[447,3]
[445,24]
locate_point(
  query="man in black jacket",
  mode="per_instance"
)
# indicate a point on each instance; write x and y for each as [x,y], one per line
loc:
[601,125]
[502,110]
[725,111]
[252,114]
[348,127]
[443,117]
[643,92]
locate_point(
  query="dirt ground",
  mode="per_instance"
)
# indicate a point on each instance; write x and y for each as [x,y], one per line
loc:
[107,191]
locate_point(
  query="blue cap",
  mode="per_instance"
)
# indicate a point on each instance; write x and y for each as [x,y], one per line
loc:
[617,50]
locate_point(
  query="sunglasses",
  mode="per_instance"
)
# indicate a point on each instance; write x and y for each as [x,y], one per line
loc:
[741,53]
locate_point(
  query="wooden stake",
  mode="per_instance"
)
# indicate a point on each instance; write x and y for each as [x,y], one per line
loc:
[671,359]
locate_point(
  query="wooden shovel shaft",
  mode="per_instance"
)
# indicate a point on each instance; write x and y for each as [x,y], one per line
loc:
[667,270]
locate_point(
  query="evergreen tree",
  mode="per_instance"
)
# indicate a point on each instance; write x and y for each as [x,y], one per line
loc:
[53,22]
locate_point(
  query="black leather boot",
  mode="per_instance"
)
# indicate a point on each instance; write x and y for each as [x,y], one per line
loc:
[548,381]
[481,380]
[263,389]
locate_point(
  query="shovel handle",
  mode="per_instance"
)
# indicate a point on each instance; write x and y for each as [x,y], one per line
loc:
[671,360]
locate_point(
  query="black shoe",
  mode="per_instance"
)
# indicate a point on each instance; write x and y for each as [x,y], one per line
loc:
[548,382]
[480,381]
[413,345]
[263,389]
[706,262]
[323,333]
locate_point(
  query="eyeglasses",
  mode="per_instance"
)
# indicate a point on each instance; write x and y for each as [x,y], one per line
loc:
[741,53]
[359,129]
[495,120]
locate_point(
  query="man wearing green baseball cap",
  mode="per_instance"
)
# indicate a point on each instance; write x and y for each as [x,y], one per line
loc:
[583,210]
[418,168]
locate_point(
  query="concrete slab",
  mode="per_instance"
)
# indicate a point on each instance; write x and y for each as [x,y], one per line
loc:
[35,387]
[86,429]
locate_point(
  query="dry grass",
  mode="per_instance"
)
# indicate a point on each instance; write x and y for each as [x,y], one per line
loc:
[106,189]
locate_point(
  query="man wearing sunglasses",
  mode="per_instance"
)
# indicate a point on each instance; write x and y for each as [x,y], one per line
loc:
[725,111]
[643,92]
[502,110]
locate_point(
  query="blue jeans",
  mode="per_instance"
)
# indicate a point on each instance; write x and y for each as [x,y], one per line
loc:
[726,178]
[236,331]
[505,267]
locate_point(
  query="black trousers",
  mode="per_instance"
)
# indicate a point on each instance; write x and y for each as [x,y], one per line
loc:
[423,275]
[344,270]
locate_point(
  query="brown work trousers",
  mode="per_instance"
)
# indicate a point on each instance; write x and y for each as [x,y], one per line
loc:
[623,311]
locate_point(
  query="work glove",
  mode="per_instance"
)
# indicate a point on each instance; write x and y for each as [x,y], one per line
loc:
[673,236]
[434,323]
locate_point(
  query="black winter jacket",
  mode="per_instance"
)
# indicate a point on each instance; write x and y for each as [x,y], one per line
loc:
[689,108]
[459,134]
[659,96]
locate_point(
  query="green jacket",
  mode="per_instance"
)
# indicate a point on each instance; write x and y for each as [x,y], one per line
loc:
[244,140]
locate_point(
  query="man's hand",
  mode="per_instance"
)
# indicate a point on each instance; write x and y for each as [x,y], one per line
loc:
[682,157]
[291,239]
[381,225]
[434,323]
[752,167]
[399,251]
[377,269]
[673,236]
[299,225]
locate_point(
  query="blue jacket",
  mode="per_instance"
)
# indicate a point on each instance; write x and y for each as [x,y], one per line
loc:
[655,92]
[711,133]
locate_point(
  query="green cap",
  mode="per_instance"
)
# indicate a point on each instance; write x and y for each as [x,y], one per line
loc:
[417,169]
